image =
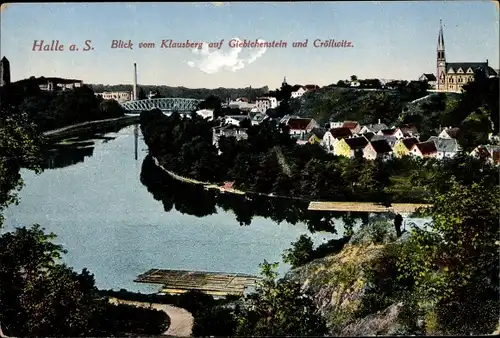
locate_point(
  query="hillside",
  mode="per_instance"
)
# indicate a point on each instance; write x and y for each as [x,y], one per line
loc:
[390,106]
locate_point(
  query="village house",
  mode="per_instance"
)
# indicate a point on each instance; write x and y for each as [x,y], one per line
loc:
[265,103]
[228,131]
[313,137]
[379,149]
[206,113]
[333,136]
[430,78]
[446,147]
[395,132]
[409,130]
[449,132]
[258,118]
[353,126]
[389,139]
[373,128]
[350,147]
[491,153]
[300,126]
[235,120]
[298,91]
[424,149]
[403,146]
[337,124]
[311,87]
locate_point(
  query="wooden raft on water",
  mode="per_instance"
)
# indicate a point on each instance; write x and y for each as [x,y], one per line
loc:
[398,208]
[212,283]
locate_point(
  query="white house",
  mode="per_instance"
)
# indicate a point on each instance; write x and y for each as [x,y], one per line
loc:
[446,147]
[355,83]
[334,135]
[449,132]
[301,126]
[373,128]
[490,152]
[264,103]
[379,149]
[299,92]
[228,131]
[396,132]
[424,149]
[235,120]
[206,113]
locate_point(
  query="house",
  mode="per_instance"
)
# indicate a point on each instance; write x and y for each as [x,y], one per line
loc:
[424,149]
[311,87]
[331,125]
[491,153]
[389,139]
[446,147]
[313,137]
[264,103]
[449,132]
[300,126]
[228,131]
[235,120]
[298,91]
[350,147]
[355,83]
[379,149]
[430,78]
[333,136]
[258,118]
[395,132]
[353,126]
[374,128]
[409,130]
[206,113]
[403,146]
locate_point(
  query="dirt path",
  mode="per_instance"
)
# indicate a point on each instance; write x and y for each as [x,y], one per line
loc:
[181,321]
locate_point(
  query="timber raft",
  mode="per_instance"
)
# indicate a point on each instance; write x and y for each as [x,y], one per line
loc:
[212,283]
[398,208]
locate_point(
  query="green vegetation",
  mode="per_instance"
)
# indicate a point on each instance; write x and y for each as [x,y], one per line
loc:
[52,110]
[190,93]
[279,308]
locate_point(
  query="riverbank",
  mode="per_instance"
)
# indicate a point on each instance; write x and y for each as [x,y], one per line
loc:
[89,126]
[399,208]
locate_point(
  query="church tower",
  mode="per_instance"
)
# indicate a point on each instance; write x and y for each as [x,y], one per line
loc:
[441,60]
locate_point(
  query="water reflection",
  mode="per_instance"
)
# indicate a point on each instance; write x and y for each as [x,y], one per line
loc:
[195,200]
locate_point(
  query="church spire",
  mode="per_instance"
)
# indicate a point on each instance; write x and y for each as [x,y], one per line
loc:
[440,46]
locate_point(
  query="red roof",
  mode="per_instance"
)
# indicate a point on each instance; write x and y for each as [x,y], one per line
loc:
[410,142]
[350,124]
[341,132]
[426,148]
[298,124]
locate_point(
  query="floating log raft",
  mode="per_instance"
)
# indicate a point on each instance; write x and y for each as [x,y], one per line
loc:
[398,208]
[212,283]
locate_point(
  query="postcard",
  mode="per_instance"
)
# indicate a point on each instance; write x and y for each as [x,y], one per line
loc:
[249,168]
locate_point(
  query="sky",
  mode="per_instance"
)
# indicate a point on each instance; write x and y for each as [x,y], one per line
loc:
[389,40]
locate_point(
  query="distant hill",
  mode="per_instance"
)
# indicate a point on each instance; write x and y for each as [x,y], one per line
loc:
[192,93]
[333,103]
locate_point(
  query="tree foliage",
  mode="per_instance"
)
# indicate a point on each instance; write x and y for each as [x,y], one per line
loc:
[279,308]
[455,261]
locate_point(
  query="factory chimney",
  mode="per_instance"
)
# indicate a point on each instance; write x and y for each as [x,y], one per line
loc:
[135,82]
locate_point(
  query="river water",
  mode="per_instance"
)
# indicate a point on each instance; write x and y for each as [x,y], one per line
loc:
[93,199]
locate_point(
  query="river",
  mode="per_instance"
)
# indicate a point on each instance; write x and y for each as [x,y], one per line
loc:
[93,200]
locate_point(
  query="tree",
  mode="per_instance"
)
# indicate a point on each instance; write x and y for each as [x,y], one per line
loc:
[141,95]
[455,261]
[300,252]
[354,78]
[279,308]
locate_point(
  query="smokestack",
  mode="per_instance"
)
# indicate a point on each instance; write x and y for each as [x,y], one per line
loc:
[135,81]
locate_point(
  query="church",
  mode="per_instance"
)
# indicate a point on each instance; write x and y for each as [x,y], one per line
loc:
[451,76]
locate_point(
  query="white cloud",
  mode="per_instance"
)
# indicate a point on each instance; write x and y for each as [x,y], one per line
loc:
[218,60]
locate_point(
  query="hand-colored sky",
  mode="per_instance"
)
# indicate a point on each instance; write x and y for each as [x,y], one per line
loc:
[391,40]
